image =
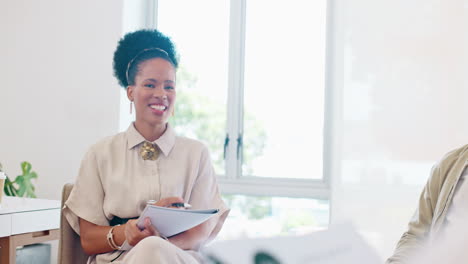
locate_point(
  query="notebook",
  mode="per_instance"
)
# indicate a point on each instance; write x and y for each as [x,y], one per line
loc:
[171,221]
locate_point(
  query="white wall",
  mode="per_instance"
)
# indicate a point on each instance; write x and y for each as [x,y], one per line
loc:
[57,92]
[58,95]
[403,105]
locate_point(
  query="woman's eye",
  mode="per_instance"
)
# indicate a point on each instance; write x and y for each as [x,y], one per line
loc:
[169,87]
[149,85]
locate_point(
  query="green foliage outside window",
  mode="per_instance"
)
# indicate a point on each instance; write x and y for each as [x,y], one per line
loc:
[254,207]
[198,116]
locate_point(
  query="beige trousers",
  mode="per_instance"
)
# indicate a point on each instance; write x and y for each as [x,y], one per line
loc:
[151,250]
[154,249]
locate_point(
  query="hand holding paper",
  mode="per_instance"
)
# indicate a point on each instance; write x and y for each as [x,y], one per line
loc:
[170,221]
[134,234]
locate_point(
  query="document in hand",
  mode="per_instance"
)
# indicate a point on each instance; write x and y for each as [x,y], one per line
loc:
[171,221]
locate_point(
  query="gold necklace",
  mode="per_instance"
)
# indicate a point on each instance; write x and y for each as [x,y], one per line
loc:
[149,151]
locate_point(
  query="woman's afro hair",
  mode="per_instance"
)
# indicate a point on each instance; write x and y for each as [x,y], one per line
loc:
[133,43]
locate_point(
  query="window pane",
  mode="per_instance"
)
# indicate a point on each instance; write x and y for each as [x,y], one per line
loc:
[202,76]
[253,216]
[284,89]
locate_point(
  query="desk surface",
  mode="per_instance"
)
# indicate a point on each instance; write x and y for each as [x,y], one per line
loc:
[25,221]
[12,205]
[24,215]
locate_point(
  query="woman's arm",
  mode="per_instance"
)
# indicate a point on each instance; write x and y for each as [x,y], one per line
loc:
[94,237]
[204,194]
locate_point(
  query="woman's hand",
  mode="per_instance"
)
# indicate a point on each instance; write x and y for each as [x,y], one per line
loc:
[134,234]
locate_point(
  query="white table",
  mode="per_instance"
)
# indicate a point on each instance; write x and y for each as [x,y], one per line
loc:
[25,221]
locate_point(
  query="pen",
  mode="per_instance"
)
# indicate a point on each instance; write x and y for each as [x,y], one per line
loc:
[178,205]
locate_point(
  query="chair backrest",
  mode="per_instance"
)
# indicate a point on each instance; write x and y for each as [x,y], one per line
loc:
[70,250]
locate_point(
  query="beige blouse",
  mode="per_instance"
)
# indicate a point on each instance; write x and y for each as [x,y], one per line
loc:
[115,181]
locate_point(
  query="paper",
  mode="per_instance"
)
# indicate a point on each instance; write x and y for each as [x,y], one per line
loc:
[339,244]
[171,221]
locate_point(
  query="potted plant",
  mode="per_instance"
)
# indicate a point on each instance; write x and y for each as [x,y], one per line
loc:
[22,186]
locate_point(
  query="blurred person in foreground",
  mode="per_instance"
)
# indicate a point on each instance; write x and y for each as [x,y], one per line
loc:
[441,215]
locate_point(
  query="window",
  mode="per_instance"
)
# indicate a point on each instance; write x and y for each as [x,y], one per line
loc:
[284,89]
[254,91]
[202,76]
[266,216]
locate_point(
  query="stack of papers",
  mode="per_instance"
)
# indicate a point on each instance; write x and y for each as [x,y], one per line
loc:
[339,244]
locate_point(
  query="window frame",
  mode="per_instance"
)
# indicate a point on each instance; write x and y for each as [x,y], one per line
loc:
[234,182]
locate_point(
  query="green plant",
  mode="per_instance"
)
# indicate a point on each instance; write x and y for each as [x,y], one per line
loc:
[22,185]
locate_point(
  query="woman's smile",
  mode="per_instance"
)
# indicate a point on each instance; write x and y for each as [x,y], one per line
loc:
[158,109]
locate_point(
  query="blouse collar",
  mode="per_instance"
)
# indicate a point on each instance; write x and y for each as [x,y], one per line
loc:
[165,142]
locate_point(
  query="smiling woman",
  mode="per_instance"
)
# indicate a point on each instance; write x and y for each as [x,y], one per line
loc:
[153,93]
[147,162]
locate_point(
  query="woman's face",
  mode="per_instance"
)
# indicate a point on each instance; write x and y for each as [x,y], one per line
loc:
[154,91]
